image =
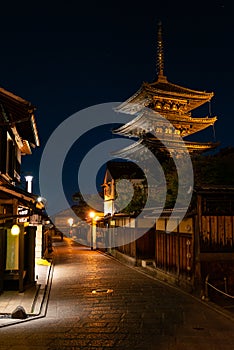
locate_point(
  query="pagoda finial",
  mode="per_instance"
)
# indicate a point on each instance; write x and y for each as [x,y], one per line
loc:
[160,53]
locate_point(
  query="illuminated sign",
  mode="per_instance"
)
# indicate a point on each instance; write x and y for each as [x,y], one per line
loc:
[24,212]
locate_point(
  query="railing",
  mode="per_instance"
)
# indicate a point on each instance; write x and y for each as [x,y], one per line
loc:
[207,284]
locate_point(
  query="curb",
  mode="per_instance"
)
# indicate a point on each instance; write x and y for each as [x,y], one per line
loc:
[42,305]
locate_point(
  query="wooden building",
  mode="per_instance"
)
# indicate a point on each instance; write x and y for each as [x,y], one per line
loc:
[201,246]
[18,135]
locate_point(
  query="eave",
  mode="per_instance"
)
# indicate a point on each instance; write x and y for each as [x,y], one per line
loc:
[163,91]
[152,122]
[170,145]
[19,113]
[25,149]
[18,194]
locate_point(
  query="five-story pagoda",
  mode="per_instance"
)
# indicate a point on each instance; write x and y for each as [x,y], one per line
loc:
[174,103]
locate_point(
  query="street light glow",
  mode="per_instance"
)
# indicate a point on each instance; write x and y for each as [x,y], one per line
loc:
[70,221]
[92,214]
[15,230]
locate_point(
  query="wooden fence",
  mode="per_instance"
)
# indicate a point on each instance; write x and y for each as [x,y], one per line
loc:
[174,252]
[217,233]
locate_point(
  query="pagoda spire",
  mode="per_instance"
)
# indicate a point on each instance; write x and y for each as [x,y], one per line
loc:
[160,54]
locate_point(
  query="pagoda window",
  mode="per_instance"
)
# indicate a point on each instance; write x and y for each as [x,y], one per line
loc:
[180,107]
[158,105]
[159,130]
[174,107]
[166,106]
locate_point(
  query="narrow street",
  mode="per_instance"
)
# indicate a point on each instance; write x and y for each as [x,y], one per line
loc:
[128,311]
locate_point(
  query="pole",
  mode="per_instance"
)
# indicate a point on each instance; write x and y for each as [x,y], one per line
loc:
[94,234]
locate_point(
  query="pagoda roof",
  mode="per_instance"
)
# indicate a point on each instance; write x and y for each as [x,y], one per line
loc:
[171,145]
[162,94]
[162,85]
[163,90]
[17,112]
[150,121]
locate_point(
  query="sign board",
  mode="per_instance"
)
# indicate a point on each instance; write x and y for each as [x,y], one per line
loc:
[35,219]
[24,212]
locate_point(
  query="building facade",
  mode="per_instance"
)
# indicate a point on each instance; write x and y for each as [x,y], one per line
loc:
[18,235]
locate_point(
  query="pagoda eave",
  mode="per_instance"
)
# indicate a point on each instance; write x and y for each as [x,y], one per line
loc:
[171,146]
[167,95]
[152,122]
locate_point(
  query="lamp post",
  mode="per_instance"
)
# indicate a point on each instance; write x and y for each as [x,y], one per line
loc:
[29,179]
[93,230]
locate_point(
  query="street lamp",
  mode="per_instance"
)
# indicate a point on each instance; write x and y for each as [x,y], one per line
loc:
[29,179]
[93,230]
[40,203]
[92,214]
[70,222]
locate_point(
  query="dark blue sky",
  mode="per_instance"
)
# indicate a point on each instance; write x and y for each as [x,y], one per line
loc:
[64,58]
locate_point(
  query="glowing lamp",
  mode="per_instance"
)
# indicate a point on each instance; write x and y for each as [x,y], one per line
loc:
[70,221]
[92,214]
[15,230]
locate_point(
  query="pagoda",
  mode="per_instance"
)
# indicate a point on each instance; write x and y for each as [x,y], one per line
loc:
[174,104]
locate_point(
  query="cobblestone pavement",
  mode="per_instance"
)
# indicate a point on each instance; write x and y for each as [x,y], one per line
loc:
[129,311]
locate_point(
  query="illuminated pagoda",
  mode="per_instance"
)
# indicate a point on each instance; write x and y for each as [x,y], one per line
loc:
[175,104]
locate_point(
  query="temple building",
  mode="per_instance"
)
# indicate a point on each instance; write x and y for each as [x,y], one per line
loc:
[175,104]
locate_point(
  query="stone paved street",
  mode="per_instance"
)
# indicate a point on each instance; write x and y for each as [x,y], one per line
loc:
[129,311]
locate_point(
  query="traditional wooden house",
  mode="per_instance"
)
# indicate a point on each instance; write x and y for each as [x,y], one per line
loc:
[200,249]
[18,135]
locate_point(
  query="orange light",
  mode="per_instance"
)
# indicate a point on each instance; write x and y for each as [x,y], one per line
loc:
[92,214]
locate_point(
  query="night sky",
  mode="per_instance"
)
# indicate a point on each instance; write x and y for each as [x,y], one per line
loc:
[65,58]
